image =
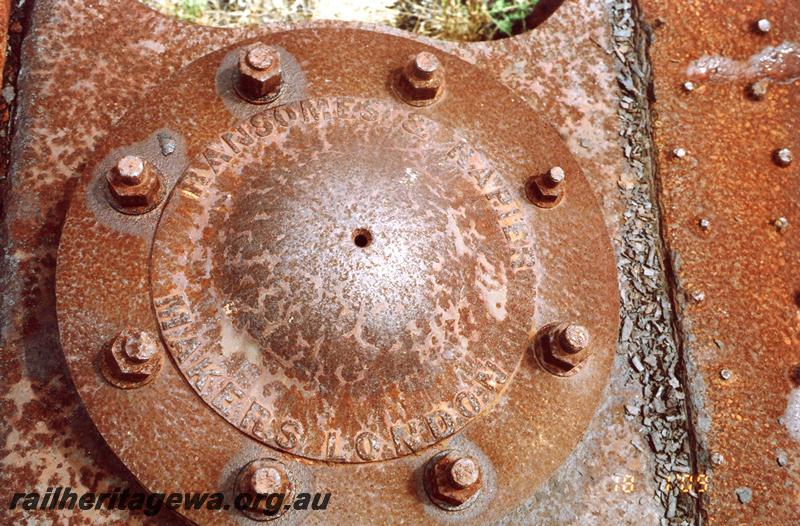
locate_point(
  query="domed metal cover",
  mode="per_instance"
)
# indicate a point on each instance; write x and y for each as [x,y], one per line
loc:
[339,276]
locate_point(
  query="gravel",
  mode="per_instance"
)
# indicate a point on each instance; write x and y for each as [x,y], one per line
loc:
[647,337]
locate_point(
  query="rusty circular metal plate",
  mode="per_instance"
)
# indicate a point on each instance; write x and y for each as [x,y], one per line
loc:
[352,264]
[342,277]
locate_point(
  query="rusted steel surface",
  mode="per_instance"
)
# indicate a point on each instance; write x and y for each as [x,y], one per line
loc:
[731,217]
[567,76]
[5,17]
[311,343]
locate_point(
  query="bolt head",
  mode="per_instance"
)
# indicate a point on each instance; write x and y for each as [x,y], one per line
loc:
[764,26]
[421,81]
[561,347]
[575,338]
[260,57]
[726,374]
[705,223]
[453,479]
[688,86]
[134,184]
[139,346]
[426,64]
[264,477]
[781,224]
[556,175]
[464,472]
[133,358]
[783,157]
[130,170]
[679,153]
[264,481]
[546,190]
[260,73]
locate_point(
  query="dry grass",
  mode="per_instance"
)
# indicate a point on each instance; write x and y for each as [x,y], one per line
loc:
[462,20]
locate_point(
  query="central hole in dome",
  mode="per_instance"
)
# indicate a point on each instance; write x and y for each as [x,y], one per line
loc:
[362,237]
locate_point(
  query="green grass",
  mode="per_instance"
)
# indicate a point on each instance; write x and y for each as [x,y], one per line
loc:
[461,20]
[508,15]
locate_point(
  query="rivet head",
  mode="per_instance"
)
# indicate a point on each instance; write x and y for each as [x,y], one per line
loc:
[763,26]
[679,153]
[781,224]
[758,90]
[726,374]
[704,223]
[688,86]
[453,479]
[783,157]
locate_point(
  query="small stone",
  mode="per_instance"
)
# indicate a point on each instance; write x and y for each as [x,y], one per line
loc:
[688,86]
[781,224]
[782,458]
[726,374]
[764,26]
[745,495]
[717,459]
[167,144]
[704,223]
[679,153]
[637,364]
[9,94]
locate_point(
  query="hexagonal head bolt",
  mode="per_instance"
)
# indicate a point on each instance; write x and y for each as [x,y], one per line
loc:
[453,479]
[260,75]
[135,185]
[783,157]
[259,479]
[546,190]
[421,82]
[560,348]
[133,359]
